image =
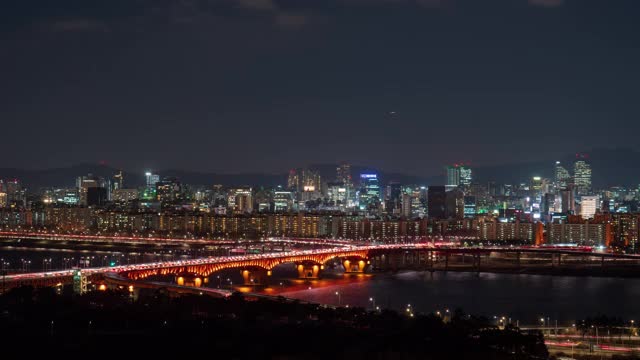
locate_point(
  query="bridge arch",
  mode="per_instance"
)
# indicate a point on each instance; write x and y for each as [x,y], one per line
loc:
[265,264]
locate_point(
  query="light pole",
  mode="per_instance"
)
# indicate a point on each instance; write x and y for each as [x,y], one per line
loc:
[373,301]
[339,298]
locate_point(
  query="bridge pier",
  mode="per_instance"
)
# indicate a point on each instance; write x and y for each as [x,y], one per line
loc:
[477,262]
[354,265]
[308,270]
[190,279]
[253,277]
[446,261]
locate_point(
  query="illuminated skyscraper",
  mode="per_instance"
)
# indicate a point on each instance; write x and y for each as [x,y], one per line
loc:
[343,174]
[393,197]
[562,176]
[338,194]
[311,181]
[152,179]
[293,180]
[369,190]
[459,175]
[118,181]
[283,201]
[588,206]
[168,190]
[582,175]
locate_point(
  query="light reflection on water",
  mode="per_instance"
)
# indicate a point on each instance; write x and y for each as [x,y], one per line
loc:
[522,297]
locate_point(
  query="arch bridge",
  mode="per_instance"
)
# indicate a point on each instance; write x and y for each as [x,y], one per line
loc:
[257,268]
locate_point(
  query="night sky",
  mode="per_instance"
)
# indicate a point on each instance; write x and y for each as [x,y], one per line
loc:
[266,85]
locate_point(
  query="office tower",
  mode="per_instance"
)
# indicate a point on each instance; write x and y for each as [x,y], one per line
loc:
[465,176]
[343,174]
[588,206]
[582,175]
[96,196]
[283,201]
[168,190]
[369,191]
[16,195]
[244,202]
[393,197]
[454,204]
[311,181]
[407,201]
[293,180]
[548,203]
[152,179]
[568,200]
[453,176]
[3,199]
[536,184]
[118,181]
[459,175]
[239,199]
[67,196]
[561,176]
[218,196]
[470,206]
[436,202]
[337,193]
[124,195]
[84,183]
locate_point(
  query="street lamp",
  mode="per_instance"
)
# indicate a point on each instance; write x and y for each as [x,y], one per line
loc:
[373,301]
[339,298]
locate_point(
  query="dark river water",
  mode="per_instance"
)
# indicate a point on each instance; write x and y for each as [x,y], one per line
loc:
[523,298]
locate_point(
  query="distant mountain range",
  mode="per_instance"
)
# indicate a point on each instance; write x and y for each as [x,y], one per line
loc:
[611,167]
